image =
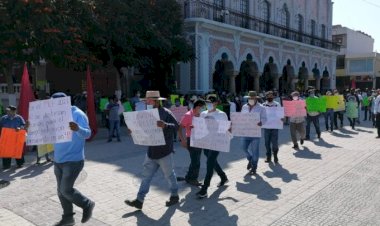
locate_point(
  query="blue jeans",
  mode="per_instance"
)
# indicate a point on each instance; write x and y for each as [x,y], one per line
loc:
[271,142]
[66,174]
[150,168]
[329,115]
[114,126]
[251,146]
[315,121]
[195,162]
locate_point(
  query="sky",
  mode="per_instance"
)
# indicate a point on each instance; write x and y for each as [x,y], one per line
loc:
[360,15]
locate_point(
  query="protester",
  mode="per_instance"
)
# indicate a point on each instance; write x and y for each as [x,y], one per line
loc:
[376,113]
[297,125]
[329,116]
[159,156]
[352,101]
[251,145]
[372,116]
[212,156]
[113,109]
[312,117]
[13,121]
[68,163]
[135,99]
[195,153]
[338,114]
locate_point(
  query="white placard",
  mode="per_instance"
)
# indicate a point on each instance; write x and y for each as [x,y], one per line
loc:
[179,112]
[143,125]
[49,121]
[140,106]
[245,124]
[274,116]
[211,134]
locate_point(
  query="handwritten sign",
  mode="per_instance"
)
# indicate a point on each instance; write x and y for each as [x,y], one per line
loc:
[274,116]
[178,112]
[352,109]
[295,108]
[143,125]
[211,134]
[44,149]
[245,124]
[12,143]
[140,106]
[49,121]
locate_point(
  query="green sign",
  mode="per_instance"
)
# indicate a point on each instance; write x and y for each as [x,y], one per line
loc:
[352,110]
[103,103]
[173,98]
[127,106]
[182,100]
[316,104]
[365,102]
[220,107]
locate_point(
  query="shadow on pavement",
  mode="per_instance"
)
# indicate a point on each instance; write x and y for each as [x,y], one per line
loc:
[279,172]
[259,187]
[323,143]
[144,220]
[341,135]
[27,172]
[346,131]
[305,153]
[362,130]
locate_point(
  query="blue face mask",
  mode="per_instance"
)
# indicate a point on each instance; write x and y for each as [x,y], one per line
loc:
[191,105]
[210,106]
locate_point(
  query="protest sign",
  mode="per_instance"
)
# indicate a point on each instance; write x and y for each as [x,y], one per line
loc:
[49,121]
[365,102]
[341,105]
[332,102]
[295,108]
[44,149]
[127,106]
[312,104]
[12,143]
[103,104]
[140,106]
[173,98]
[245,124]
[143,125]
[322,104]
[178,112]
[182,100]
[211,134]
[352,110]
[274,116]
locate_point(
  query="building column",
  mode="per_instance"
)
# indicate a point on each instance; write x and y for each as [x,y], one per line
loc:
[203,63]
[256,84]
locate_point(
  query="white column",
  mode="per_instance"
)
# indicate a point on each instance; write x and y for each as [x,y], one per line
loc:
[185,77]
[333,73]
[203,63]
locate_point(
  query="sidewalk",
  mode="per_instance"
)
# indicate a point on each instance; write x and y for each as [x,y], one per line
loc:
[333,181]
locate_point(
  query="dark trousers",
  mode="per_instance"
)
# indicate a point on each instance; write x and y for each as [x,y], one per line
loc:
[195,162]
[8,161]
[66,174]
[271,142]
[365,113]
[329,115]
[338,114]
[378,124]
[315,121]
[352,122]
[212,164]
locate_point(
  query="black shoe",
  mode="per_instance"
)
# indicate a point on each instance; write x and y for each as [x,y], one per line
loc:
[275,159]
[135,203]
[19,166]
[118,140]
[252,172]
[295,146]
[307,138]
[319,135]
[302,141]
[223,182]
[202,194]
[181,179]
[109,140]
[249,166]
[378,137]
[68,221]
[4,183]
[173,200]
[87,212]
[193,182]
[268,160]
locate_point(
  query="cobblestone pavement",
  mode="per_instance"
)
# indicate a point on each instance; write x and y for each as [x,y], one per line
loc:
[332,181]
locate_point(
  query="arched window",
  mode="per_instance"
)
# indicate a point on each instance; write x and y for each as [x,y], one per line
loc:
[284,16]
[265,10]
[219,3]
[300,25]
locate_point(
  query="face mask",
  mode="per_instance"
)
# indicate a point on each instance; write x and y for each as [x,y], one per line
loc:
[138,95]
[312,94]
[191,105]
[251,102]
[202,109]
[177,103]
[269,99]
[295,98]
[149,106]
[237,98]
[210,106]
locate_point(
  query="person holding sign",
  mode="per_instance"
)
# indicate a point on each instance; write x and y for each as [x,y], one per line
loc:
[13,121]
[212,156]
[159,156]
[68,163]
[312,117]
[297,124]
[251,145]
[352,108]
[329,115]
[271,135]
[376,112]
[340,111]
[195,153]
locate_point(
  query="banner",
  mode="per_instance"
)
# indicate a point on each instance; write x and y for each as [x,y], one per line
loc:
[341,103]
[12,143]
[91,114]
[140,106]
[182,100]
[143,125]
[352,110]
[49,121]
[312,104]
[295,108]
[44,149]
[322,104]
[178,112]
[274,116]
[245,124]
[211,134]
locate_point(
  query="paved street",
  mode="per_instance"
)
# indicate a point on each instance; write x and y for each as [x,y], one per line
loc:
[333,181]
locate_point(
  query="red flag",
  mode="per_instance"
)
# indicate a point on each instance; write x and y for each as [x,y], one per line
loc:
[91,106]
[26,94]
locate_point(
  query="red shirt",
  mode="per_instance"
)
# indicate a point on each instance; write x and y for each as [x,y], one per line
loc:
[187,122]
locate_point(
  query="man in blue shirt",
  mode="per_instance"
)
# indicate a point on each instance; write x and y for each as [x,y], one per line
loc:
[14,121]
[68,163]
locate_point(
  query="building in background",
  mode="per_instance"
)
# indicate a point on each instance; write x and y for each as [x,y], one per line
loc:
[245,45]
[358,66]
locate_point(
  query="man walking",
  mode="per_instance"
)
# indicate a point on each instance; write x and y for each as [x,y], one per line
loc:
[297,125]
[113,108]
[159,156]
[376,113]
[68,163]
[312,117]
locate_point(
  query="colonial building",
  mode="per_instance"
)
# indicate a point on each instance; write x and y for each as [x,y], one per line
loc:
[358,66]
[245,45]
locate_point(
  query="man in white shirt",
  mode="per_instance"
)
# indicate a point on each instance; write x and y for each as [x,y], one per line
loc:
[376,112]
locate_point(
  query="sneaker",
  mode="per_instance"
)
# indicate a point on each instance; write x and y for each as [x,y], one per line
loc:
[223,182]
[202,194]
[252,172]
[87,212]
[302,141]
[249,166]
[193,182]
[68,221]
[173,200]
[275,159]
[135,203]
[295,146]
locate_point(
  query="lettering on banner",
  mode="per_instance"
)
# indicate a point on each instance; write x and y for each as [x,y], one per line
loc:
[143,125]
[49,121]
[245,124]
[207,134]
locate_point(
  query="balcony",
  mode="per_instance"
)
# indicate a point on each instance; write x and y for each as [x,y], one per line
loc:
[203,9]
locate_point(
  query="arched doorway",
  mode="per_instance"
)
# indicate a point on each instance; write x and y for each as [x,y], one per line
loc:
[317,77]
[270,78]
[325,81]
[223,74]
[289,78]
[303,76]
[248,77]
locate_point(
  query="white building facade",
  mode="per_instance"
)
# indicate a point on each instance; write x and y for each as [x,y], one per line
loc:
[258,45]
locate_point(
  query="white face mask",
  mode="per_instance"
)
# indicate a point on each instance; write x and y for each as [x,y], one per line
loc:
[237,98]
[295,98]
[251,102]
[203,109]
[191,105]
[149,106]
[210,106]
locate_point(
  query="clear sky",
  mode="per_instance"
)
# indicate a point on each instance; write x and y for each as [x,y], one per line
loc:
[360,15]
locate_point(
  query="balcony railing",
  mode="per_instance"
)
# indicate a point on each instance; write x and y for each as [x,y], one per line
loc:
[203,9]
[4,88]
